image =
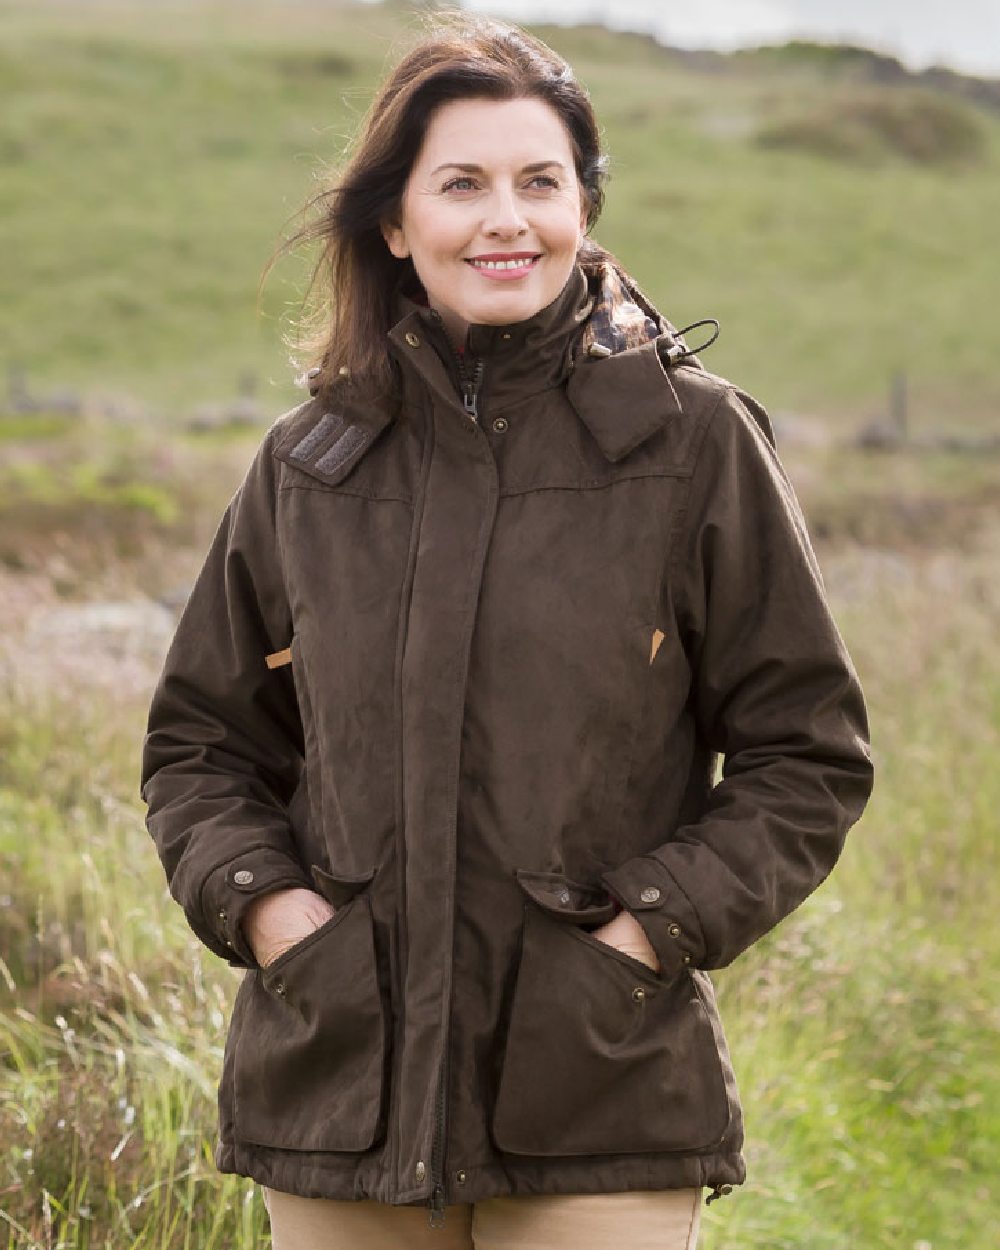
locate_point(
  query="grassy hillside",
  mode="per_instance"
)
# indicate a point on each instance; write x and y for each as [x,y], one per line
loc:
[150,157]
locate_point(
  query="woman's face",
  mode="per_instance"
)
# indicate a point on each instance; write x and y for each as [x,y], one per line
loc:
[492,212]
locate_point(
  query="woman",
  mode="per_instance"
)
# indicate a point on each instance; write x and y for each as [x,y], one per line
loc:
[432,754]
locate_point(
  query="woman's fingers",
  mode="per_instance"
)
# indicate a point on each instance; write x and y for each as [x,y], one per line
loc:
[276,922]
[626,934]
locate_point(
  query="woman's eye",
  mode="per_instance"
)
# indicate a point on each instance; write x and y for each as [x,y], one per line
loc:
[453,184]
[546,180]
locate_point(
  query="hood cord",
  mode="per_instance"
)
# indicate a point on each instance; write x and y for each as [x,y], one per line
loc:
[675,354]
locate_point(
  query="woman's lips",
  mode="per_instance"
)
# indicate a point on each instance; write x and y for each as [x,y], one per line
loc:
[504,271]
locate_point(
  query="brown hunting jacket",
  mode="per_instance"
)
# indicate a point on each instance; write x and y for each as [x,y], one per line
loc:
[464,664]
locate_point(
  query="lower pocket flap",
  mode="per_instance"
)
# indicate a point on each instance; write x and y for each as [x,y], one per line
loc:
[337,888]
[566,899]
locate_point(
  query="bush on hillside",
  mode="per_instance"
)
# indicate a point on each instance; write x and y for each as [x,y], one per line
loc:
[919,126]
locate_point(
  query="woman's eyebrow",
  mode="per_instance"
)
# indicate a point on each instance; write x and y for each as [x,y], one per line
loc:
[534,168]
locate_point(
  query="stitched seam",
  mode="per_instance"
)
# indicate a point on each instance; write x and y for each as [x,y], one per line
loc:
[399,798]
[681,531]
[522,400]
[597,483]
[331,489]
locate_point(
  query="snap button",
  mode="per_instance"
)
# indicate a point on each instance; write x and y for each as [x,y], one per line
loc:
[222,913]
[638,993]
[243,877]
[411,338]
[460,1176]
[279,987]
[674,930]
[505,335]
[420,1170]
[649,894]
[500,424]
[686,958]
[563,896]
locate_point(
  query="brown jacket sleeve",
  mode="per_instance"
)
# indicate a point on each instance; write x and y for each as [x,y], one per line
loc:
[219,760]
[773,690]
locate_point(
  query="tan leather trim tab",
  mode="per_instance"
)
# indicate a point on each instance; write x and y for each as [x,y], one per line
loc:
[277,658]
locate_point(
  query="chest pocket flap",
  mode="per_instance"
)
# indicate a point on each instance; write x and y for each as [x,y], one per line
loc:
[329,446]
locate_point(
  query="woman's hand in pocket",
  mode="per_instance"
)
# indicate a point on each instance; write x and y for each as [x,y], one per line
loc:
[275,922]
[628,935]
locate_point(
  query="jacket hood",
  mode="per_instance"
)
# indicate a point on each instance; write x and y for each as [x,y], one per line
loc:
[626,348]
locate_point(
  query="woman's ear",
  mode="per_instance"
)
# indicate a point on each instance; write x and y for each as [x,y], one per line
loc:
[395,239]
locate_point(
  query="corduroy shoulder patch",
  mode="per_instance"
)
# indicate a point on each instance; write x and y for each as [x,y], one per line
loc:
[330,447]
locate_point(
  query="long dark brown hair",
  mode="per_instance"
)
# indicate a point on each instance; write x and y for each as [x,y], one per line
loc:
[459,57]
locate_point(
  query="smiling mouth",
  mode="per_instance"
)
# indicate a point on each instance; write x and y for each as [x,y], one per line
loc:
[513,266]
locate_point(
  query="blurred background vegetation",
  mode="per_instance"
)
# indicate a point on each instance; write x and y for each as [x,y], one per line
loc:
[838,215]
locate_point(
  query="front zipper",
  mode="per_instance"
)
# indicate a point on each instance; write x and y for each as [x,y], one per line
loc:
[436,1201]
[469,383]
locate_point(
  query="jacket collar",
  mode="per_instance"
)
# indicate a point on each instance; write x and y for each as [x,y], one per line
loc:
[600,336]
[519,359]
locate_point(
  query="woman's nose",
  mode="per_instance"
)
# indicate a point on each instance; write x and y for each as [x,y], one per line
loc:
[504,216]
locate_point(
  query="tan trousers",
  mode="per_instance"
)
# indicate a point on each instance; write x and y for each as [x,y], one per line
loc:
[666,1219]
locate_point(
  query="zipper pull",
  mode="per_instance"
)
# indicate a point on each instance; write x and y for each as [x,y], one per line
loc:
[470,393]
[718,1191]
[437,1207]
[469,400]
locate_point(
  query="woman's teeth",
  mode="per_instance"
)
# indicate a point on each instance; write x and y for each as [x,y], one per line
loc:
[523,263]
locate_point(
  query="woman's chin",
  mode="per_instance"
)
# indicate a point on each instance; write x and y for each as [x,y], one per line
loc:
[504,312]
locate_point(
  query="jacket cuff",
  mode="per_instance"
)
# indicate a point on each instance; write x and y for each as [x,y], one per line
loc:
[644,888]
[231,887]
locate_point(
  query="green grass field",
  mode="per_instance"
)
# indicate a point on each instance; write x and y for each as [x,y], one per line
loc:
[149,157]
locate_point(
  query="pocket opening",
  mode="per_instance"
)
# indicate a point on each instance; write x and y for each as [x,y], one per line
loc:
[631,962]
[267,971]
